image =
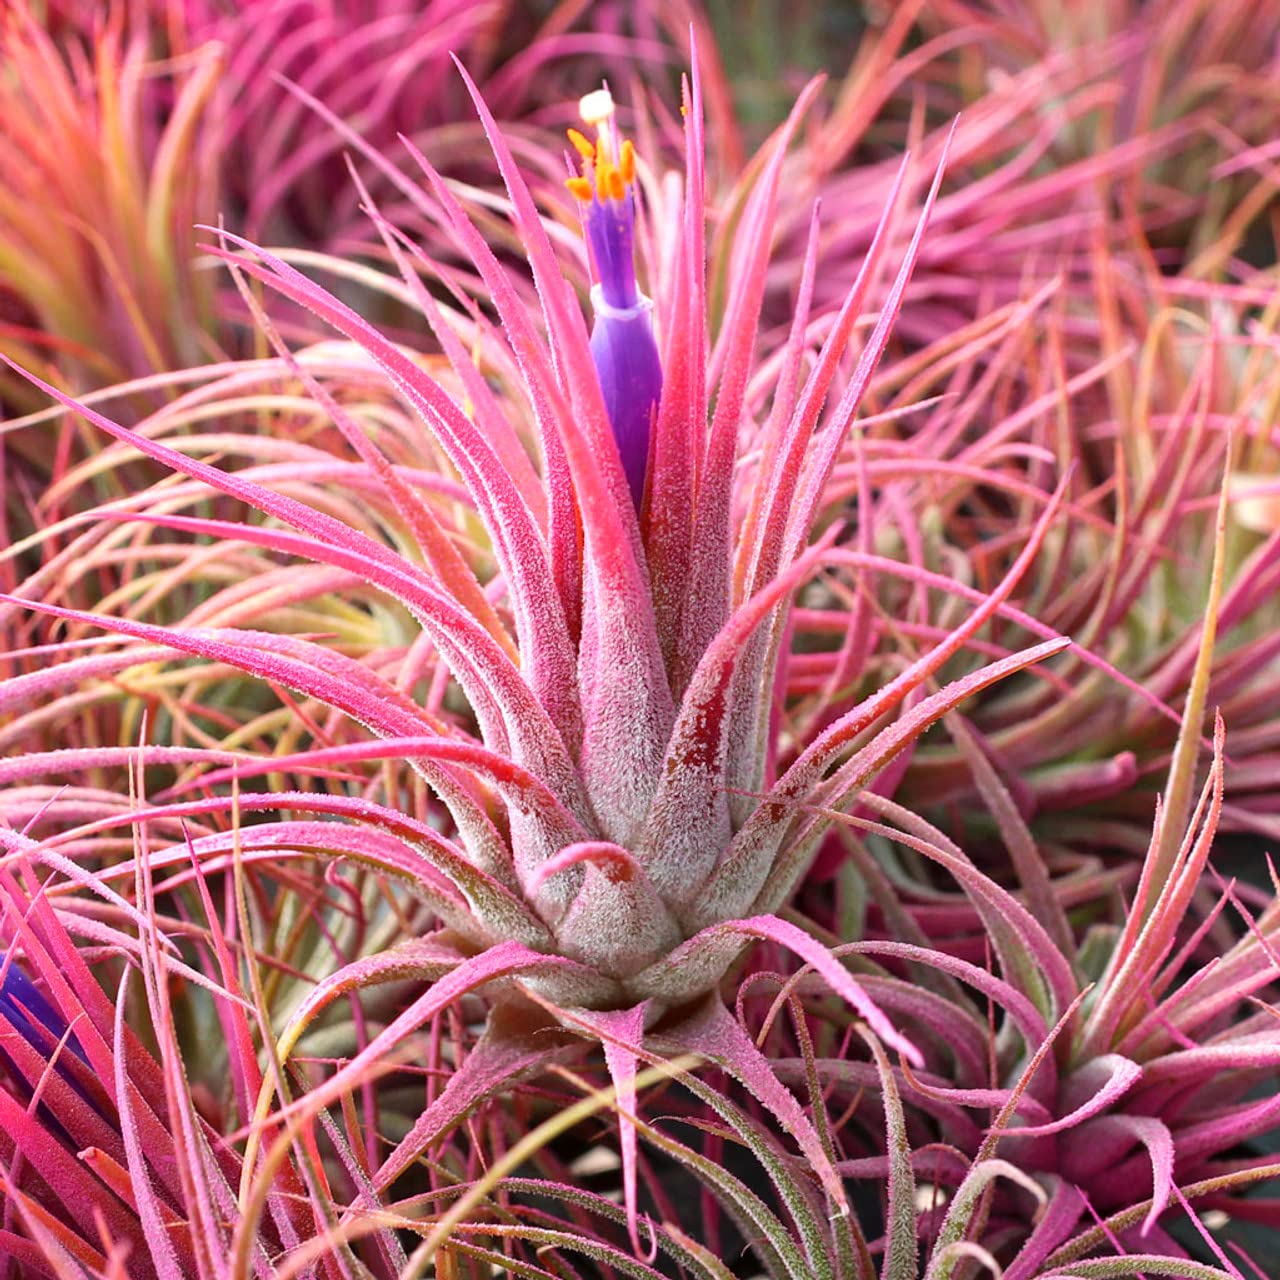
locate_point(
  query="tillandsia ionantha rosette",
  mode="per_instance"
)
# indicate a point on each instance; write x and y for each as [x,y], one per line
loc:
[1131,1074]
[1152,350]
[1186,66]
[613,826]
[98,274]
[1150,417]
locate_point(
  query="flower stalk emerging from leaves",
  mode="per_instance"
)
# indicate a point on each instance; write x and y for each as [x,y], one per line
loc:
[622,342]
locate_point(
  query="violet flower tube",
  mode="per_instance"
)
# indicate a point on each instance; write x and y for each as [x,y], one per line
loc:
[622,343]
[25,1010]
[30,1013]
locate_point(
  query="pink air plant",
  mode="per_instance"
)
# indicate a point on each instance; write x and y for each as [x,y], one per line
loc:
[1186,68]
[614,826]
[1128,1067]
[98,280]
[511,735]
[382,66]
[1088,134]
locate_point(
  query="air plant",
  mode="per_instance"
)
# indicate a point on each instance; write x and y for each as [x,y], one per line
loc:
[1155,1059]
[97,242]
[289,183]
[1075,147]
[134,128]
[161,115]
[1203,66]
[1135,1096]
[1023,208]
[612,827]
[1130,377]
[1150,435]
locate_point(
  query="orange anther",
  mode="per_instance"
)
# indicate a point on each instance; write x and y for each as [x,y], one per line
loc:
[581,188]
[582,145]
[613,184]
[627,162]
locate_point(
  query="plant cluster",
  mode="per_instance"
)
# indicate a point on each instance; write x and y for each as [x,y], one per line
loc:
[581,702]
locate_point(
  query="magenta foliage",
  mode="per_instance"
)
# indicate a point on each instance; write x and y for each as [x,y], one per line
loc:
[1113,1093]
[383,67]
[598,582]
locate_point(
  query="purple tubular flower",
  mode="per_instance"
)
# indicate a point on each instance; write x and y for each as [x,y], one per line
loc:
[30,1014]
[23,1005]
[622,343]
[626,358]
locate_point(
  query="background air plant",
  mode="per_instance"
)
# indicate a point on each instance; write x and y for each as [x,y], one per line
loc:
[1171,402]
[1204,70]
[97,242]
[114,1164]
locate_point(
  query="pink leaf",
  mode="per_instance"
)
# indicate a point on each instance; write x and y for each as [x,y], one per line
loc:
[1119,1075]
[689,822]
[505,1051]
[724,939]
[162,1251]
[713,1032]
[622,1032]
[506,960]
[1056,1222]
[707,599]
[679,432]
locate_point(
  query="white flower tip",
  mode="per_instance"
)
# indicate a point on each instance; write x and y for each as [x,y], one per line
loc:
[597,107]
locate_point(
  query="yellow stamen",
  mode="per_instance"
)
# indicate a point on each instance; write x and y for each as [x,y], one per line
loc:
[608,169]
[582,145]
